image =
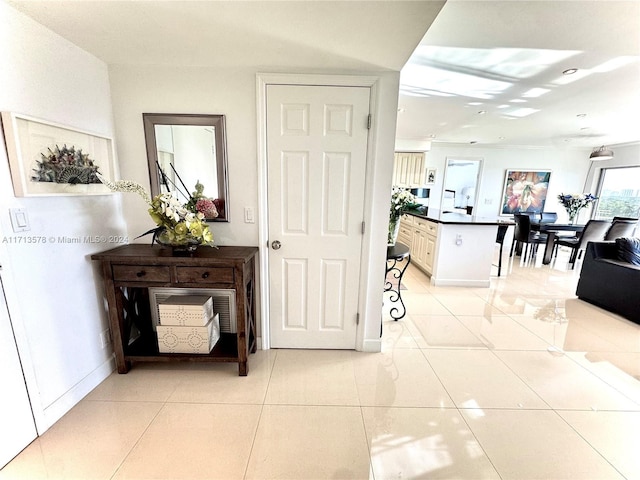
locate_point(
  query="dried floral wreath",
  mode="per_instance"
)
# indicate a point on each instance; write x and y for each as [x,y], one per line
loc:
[65,165]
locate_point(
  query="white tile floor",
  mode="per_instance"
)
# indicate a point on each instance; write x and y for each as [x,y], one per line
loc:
[518,381]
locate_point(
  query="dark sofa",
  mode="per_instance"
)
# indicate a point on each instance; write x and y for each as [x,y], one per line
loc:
[608,282]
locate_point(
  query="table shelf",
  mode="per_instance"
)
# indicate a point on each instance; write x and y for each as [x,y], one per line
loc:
[129,271]
[146,350]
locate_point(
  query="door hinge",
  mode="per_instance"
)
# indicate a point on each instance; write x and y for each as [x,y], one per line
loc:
[369,122]
[357,318]
[363,227]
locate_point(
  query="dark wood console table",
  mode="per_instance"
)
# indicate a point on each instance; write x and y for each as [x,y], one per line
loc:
[128,271]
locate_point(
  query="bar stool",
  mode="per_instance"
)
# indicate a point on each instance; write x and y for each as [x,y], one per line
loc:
[502,231]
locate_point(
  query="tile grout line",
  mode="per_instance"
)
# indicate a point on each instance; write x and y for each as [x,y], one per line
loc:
[589,443]
[264,399]
[459,412]
[137,442]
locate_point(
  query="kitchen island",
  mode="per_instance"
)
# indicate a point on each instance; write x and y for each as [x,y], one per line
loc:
[454,249]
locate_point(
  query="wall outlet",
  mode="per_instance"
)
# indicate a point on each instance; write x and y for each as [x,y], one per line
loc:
[488,201]
[105,338]
[458,239]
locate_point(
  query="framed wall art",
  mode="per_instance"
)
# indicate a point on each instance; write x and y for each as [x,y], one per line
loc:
[431,176]
[524,191]
[48,159]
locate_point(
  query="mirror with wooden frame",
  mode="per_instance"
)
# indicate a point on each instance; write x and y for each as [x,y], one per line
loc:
[185,149]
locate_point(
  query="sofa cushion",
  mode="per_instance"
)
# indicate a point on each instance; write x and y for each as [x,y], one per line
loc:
[629,250]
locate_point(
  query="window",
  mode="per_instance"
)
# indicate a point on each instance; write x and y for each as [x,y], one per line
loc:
[619,193]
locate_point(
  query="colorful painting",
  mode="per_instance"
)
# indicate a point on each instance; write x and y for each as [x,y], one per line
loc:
[524,191]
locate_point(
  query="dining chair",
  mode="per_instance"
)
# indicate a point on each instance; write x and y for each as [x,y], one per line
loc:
[524,234]
[621,228]
[594,231]
[535,217]
[625,218]
[549,217]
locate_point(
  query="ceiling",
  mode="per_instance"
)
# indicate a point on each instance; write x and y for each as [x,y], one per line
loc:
[504,59]
[318,34]
[491,72]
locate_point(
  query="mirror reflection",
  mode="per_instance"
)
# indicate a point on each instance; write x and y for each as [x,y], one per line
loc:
[461,182]
[185,150]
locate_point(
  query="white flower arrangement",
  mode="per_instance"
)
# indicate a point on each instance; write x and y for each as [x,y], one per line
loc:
[400,201]
[575,202]
[177,223]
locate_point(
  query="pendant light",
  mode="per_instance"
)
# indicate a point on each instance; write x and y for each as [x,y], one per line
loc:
[601,153]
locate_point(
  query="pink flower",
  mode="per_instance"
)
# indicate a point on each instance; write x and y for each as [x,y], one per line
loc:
[207,208]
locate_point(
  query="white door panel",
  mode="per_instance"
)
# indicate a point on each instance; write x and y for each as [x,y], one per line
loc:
[316,145]
[16,420]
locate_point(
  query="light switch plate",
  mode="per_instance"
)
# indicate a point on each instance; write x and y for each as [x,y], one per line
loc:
[248,215]
[19,220]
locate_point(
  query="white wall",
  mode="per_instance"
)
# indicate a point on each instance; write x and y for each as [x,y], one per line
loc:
[232,92]
[54,299]
[569,169]
[138,90]
[378,215]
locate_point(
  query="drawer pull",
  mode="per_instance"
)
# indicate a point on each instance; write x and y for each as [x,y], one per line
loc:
[141,273]
[205,275]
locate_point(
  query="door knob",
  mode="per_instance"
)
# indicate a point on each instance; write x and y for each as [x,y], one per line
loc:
[276,245]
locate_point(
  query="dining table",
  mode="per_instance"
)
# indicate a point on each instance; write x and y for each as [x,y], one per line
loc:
[552,230]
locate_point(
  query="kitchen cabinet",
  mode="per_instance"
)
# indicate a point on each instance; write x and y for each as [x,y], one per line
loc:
[419,247]
[420,235]
[430,253]
[409,169]
[405,234]
[425,235]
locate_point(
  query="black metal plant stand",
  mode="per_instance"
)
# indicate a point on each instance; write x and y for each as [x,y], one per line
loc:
[398,259]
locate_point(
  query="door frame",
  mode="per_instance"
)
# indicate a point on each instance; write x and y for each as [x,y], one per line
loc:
[262,81]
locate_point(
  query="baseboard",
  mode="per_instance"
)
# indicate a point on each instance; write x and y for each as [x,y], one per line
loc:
[66,402]
[371,346]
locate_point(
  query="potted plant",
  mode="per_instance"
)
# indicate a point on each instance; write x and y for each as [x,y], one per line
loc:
[401,200]
[573,203]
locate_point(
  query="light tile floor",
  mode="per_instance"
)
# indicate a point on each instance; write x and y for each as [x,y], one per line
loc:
[518,381]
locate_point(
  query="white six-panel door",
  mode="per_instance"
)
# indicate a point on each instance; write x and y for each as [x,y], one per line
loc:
[316,147]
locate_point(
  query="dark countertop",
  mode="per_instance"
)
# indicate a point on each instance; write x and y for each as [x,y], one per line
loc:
[454,218]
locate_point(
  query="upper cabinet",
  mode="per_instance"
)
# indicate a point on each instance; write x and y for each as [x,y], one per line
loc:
[409,169]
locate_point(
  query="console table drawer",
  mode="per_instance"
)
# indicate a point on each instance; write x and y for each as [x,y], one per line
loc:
[204,275]
[141,273]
